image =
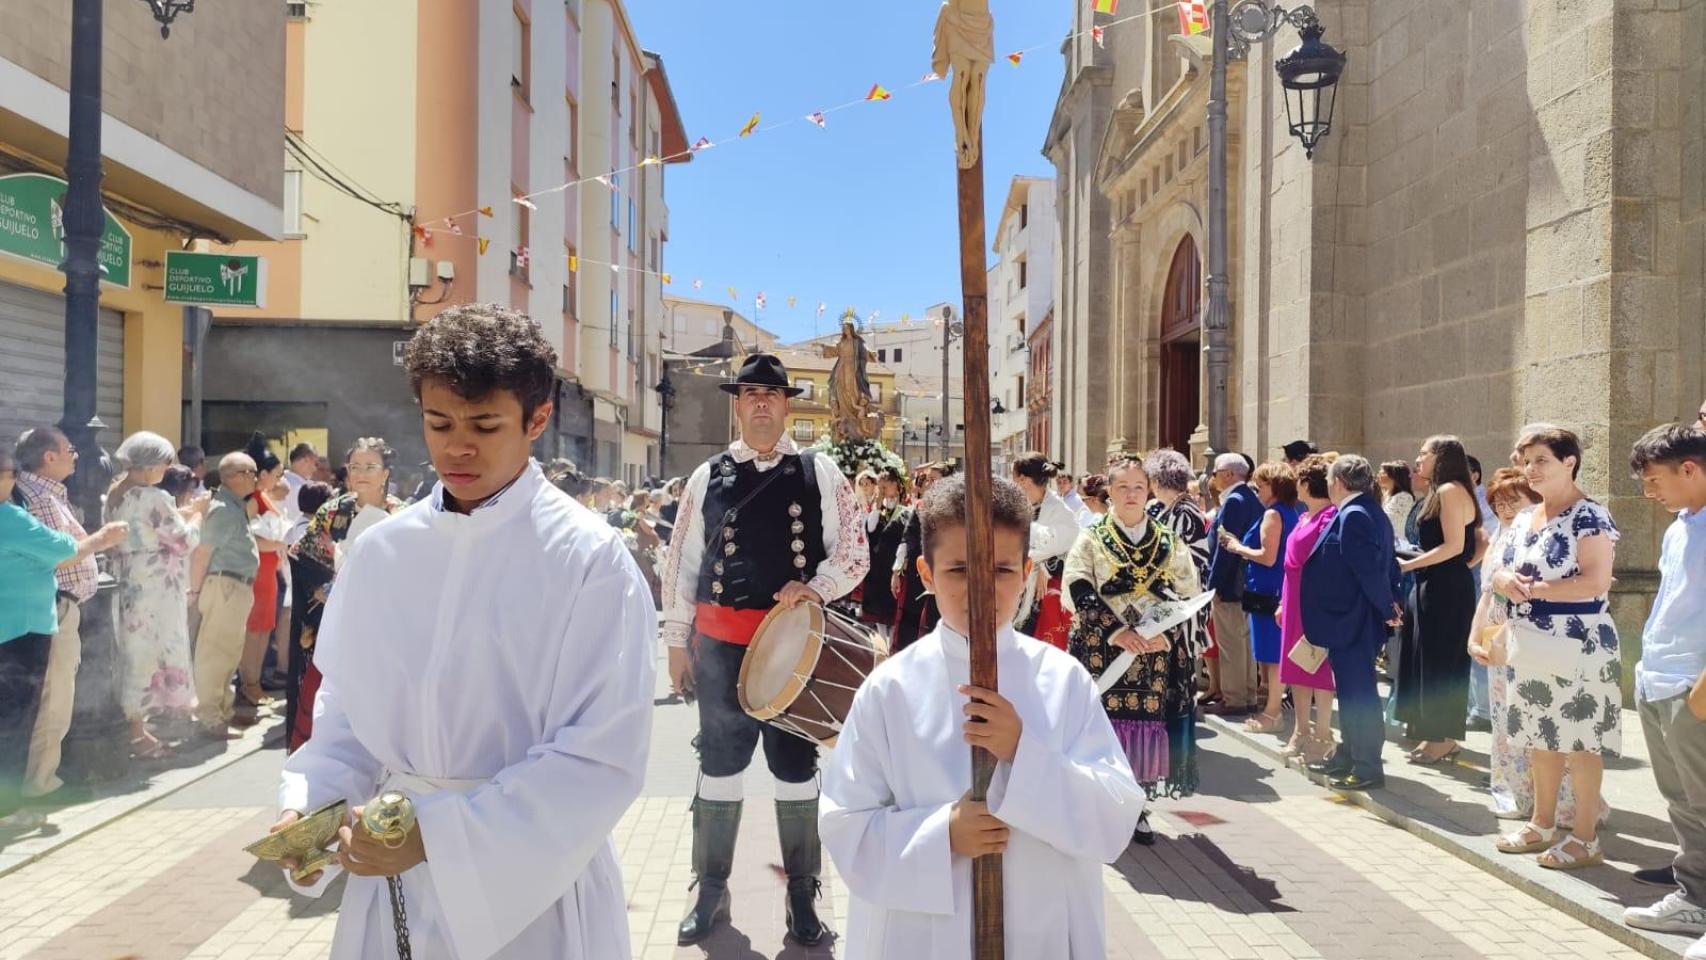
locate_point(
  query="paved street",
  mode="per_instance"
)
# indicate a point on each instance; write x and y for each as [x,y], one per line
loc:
[1261,865]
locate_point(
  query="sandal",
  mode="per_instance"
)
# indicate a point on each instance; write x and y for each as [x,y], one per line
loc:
[141,752]
[1298,745]
[1263,723]
[1518,842]
[1559,857]
[1421,758]
[1319,749]
[1209,699]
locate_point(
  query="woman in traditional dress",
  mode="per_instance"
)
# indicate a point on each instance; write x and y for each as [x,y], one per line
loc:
[1056,529]
[1121,577]
[153,575]
[315,558]
[1563,700]
[884,530]
[1263,546]
[1178,509]
[1312,687]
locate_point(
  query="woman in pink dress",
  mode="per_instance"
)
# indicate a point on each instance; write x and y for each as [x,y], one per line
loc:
[1311,690]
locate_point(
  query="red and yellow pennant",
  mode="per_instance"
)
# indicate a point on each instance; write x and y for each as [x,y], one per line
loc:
[1107,6]
[1015,57]
[878,92]
[751,125]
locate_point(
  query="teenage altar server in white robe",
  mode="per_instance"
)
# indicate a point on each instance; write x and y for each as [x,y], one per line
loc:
[1062,803]
[489,652]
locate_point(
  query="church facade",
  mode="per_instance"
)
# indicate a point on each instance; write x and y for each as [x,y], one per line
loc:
[1507,224]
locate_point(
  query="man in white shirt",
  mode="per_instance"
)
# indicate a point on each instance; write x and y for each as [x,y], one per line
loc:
[490,653]
[761,525]
[1066,487]
[304,462]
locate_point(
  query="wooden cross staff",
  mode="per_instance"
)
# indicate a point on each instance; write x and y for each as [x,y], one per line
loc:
[965,44]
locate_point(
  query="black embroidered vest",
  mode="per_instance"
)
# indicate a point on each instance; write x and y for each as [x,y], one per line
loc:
[777,536]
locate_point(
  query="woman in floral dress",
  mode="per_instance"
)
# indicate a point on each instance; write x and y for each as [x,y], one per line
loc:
[1562,697]
[1120,576]
[1512,777]
[153,574]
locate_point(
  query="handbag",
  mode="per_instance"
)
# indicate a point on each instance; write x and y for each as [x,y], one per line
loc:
[1537,652]
[1307,655]
[1260,604]
[1494,639]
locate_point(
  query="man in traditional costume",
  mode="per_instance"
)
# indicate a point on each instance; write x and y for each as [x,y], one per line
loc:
[490,653]
[761,525]
[1126,574]
[1062,801]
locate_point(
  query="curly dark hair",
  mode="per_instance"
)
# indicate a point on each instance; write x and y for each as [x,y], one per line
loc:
[479,348]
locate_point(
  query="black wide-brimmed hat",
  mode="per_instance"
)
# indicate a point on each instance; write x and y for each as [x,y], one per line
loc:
[762,370]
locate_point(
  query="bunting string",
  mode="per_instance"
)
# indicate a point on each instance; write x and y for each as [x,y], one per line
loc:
[754,126]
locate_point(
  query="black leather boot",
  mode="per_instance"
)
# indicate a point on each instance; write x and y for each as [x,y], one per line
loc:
[716,824]
[802,858]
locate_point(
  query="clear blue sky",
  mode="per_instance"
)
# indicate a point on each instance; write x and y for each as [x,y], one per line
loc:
[860,213]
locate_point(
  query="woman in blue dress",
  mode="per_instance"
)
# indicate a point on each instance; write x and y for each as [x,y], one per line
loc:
[1263,549]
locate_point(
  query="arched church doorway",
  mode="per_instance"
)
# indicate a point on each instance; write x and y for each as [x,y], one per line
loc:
[1181,348]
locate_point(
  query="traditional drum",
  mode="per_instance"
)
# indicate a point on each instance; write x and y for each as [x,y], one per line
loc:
[802,668]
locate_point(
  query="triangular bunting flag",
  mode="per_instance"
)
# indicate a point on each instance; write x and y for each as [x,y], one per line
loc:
[524,202]
[484,243]
[751,125]
[1015,57]
[821,307]
[733,295]
[760,301]
[485,211]
[1107,6]
[1099,35]
[703,143]
[665,278]
[930,77]
[791,301]
[615,268]
[817,118]
[574,264]
[650,161]
[878,93]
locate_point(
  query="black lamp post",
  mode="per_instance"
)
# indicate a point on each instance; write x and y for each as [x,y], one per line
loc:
[1306,73]
[96,746]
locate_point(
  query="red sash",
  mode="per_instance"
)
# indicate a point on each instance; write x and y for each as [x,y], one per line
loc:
[726,623]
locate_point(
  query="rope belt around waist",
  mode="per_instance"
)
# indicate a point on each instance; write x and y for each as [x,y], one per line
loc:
[416,785]
[245,581]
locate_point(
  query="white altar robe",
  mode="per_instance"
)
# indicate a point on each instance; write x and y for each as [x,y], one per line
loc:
[514,647]
[902,762]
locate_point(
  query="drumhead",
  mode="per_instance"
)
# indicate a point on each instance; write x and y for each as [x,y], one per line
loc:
[776,655]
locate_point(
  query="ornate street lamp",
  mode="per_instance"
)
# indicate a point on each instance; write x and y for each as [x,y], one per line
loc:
[165,11]
[1305,74]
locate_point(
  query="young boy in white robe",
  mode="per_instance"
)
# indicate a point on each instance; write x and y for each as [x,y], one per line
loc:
[1062,802]
[490,653]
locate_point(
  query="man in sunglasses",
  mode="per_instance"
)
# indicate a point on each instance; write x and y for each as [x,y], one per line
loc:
[222,577]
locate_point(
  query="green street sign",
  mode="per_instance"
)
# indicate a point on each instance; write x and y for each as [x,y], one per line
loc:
[216,279]
[32,226]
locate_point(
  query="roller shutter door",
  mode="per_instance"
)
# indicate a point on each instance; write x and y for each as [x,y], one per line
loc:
[32,364]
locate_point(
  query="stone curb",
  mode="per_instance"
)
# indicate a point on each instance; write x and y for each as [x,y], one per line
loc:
[22,853]
[1558,891]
